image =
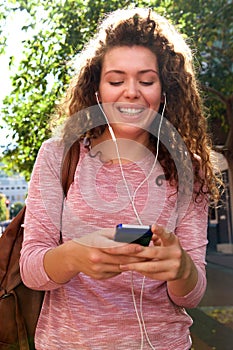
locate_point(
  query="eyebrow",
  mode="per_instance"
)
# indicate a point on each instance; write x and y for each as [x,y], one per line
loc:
[140,72]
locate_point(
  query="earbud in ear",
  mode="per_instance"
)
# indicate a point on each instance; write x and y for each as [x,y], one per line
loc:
[163,97]
[97,97]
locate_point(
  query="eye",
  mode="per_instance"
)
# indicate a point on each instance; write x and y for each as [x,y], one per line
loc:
[146,83]
[115,83]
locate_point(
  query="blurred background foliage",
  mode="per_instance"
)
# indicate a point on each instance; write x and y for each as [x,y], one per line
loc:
[59,30]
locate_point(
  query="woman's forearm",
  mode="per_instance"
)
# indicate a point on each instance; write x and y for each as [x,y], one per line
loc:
[58,263]
[188,280]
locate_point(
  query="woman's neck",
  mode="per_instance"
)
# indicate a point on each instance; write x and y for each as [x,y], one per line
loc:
[128,150]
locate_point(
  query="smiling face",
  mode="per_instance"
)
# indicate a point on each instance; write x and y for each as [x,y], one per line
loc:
[130,90]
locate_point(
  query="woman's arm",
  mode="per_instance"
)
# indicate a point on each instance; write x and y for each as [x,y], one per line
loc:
[178,258]
[45,263]
[89,255]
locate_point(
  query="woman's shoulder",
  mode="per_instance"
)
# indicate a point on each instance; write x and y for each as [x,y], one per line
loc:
[53,142]
[51,151]
[55,149]
[53,145]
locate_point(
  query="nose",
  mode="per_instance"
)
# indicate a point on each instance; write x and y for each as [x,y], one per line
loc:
[131,90]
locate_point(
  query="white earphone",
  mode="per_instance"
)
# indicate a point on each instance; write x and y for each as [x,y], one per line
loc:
[132,198]
[140,317]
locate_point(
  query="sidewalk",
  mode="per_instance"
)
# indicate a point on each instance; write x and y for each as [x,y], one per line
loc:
[225,260]
[208,332]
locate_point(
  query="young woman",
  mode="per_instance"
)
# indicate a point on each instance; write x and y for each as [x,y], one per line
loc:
[144,158]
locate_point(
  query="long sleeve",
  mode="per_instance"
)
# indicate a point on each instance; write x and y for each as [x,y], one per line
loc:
[43,216]
[192,233]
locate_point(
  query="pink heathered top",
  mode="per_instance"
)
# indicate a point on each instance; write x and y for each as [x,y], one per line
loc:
[100,315]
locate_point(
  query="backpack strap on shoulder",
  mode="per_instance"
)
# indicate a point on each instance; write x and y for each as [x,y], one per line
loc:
[69,164]
[70,161]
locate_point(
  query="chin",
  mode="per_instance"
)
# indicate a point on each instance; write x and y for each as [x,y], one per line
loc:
[130,132]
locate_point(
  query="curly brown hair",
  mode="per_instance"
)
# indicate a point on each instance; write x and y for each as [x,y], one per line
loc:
[184,109]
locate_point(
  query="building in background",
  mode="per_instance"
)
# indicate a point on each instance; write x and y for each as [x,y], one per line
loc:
[220,228]
[14,187]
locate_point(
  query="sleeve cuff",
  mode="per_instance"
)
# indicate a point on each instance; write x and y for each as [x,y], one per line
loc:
[193,298]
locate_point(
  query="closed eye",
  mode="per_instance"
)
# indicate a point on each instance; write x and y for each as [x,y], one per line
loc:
[115,83]
[146,83]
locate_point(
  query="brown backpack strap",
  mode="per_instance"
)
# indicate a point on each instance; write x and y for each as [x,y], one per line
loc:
[70,161]
[69,165]
[10,245]
[22,332]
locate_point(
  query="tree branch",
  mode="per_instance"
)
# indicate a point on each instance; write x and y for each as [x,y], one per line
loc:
[215,92]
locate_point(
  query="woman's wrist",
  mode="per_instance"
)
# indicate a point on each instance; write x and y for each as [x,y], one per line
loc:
[59,263]
[187,281]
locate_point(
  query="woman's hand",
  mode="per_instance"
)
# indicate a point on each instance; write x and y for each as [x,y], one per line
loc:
[90,254]
[95,258]
[165,260]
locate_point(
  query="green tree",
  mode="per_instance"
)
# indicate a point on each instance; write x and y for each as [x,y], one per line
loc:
[15,208]
[208,25]
[61,28]
[3,210]
[44,72]
[208,28]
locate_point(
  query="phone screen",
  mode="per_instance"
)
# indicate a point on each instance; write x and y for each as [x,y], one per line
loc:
[133,234]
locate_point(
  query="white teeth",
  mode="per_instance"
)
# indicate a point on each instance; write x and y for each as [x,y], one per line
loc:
[131,111]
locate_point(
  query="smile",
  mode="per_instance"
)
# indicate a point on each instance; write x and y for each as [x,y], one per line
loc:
[131,111]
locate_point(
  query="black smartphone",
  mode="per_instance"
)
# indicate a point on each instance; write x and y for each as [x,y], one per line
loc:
[133,234]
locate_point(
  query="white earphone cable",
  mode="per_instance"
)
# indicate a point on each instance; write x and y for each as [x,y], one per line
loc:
[132,198]
[141,321]
[119,158]
[157,152]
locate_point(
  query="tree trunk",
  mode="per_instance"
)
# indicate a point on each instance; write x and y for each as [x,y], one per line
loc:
[228,153]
